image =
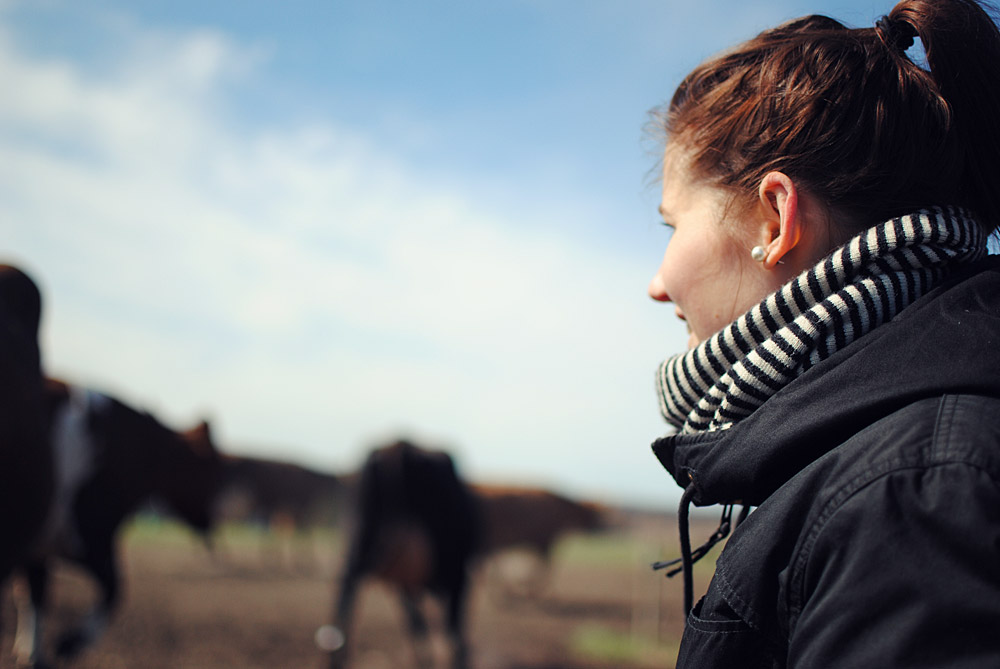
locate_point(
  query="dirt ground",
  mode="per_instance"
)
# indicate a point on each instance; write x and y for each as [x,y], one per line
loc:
[257,601]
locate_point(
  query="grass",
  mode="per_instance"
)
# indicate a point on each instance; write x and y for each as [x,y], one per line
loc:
[601,644]
[608,549]
[618,550]
[242,535]
[152,528]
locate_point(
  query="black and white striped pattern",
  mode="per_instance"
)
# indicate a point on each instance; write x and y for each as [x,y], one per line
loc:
[855,289]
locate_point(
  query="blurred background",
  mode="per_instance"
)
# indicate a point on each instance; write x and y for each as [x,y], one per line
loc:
[323,224]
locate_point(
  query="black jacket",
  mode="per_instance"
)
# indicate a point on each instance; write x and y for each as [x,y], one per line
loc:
[876,477]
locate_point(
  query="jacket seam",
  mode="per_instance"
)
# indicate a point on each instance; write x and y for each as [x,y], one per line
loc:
[940,450]
[943,424]
[800,564]
[768,642]
[729,592]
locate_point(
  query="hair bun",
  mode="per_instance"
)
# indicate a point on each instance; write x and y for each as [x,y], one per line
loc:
[895,34]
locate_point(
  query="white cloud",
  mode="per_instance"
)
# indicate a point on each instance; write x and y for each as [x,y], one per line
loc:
[304,285]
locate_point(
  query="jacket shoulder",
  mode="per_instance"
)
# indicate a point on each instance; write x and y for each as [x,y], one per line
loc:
[903,552]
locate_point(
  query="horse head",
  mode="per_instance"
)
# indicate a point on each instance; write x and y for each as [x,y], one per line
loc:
[21,299]
[195,477]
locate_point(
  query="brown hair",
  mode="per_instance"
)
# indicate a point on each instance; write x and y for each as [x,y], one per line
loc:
[850,117]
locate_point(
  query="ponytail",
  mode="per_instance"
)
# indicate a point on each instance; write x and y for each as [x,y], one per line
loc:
[962,47]
[849,115]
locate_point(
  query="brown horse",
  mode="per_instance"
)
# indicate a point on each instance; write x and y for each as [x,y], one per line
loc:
[25,458]
[533,519]
[109,459]
[415,529]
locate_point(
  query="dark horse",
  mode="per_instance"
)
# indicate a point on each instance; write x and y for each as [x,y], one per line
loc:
[416,529]
[25,459]
[109,459]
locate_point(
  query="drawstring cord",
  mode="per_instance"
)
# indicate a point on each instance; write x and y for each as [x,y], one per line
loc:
[689,557]
[686,560]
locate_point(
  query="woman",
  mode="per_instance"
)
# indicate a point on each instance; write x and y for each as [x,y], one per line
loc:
[830,202]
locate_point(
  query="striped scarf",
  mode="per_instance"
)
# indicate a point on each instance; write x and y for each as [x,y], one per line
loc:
[858,287]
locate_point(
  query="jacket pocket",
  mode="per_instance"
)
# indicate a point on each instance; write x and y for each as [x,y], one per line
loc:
[720,641]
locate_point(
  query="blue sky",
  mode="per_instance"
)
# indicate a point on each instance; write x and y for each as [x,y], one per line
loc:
[322,225]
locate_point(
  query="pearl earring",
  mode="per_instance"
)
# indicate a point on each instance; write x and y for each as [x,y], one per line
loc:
[758,253]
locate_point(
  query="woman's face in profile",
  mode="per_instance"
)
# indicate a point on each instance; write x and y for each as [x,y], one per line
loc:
[706,271]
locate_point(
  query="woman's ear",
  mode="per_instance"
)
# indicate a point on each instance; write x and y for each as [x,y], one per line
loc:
[781,224]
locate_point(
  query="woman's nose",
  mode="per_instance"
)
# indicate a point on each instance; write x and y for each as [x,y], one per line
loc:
[657,290]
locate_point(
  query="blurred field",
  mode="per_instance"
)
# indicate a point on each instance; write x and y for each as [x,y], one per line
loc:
[257,599]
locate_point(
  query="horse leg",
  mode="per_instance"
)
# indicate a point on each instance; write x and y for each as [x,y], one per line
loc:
[104,568]
[456,624]
[540,578]
[335,641]
[31,615]
[360,558]
[418,629]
